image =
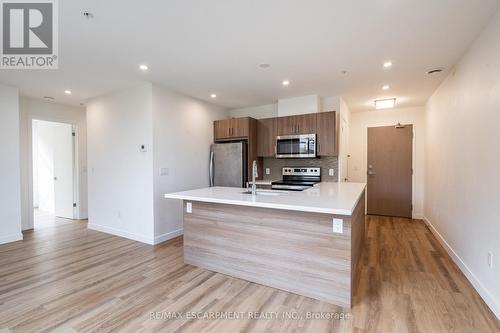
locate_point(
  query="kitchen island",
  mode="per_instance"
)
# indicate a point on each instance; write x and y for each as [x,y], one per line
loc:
[307,242]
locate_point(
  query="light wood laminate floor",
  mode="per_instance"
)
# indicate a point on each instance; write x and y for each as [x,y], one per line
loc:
[68,278]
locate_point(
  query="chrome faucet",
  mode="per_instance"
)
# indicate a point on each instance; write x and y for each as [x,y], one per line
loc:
[255,174]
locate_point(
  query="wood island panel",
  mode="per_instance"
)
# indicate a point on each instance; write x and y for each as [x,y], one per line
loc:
[292,251]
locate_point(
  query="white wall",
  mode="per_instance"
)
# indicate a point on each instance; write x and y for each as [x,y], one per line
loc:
[257,112]
[120,179]
[330,103]
[462,175]
[35,109]
[10,190]
[126,186]
[183,133]
[298,105]
[344,128]
[360,121]
[34,146]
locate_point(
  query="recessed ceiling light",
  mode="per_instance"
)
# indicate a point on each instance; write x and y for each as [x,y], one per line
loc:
[385,103]
[264,65]
[386,87]
[285,82]
[67,92]
[387,64]
[143,67]
[213,95]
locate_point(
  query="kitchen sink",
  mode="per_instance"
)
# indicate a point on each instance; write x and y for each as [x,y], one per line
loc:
[266,192]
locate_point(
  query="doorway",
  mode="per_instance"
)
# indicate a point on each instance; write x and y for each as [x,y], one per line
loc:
[389,170]
[53,149]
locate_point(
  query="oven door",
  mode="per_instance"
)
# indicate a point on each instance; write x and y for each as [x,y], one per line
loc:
[296,146]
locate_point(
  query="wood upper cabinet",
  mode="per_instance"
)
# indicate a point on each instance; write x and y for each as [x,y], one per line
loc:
[301,124]
[286,125]
[327,134]
[231,128]
[266,137]
[306,123]
[240,127]
[222,129]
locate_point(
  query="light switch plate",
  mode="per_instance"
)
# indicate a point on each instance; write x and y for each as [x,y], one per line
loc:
[268,171]
[338,226]
[189,207]
[164,171]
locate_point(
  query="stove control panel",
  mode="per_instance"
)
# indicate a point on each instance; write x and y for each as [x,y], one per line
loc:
[301,171]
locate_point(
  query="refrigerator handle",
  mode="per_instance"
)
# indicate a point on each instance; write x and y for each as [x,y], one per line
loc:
[211,169]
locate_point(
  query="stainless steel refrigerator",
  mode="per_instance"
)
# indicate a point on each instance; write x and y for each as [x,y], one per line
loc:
[228,164]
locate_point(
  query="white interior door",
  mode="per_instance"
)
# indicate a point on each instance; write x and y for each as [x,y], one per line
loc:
[63,170]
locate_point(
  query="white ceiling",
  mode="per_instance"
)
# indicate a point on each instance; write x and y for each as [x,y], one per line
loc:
[200,47]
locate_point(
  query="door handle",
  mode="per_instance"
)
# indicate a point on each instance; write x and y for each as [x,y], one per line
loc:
[371,173]
[211,169]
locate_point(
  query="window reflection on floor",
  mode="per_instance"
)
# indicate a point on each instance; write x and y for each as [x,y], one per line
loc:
[45,219]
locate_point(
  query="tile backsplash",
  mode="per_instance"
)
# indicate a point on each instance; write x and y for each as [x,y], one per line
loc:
[276,165]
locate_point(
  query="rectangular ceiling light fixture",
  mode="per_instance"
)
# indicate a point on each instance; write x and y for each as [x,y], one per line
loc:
[385,103]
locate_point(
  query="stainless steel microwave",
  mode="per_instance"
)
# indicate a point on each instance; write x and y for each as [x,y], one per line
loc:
[296,146]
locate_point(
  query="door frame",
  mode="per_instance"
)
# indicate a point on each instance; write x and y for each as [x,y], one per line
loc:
[76,171]
[413,165]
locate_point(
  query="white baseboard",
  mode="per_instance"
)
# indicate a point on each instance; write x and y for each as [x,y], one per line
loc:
[169,235]
[143,239]
[11,238]
[121,233]
[488,298]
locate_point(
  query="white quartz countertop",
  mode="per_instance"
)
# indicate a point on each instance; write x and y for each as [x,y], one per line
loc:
[328,198]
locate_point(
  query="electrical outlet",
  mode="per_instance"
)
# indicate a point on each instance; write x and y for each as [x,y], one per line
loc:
[331,172]
[164,171]
[338,226]
[490,260]
[189,207]
[268,171]
[143,148]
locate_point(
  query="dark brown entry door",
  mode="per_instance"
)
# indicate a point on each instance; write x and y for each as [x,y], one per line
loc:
[390,170]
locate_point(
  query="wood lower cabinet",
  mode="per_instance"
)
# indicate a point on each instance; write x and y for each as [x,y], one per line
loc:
[294,125]
[327,133]
[266,137]
[233,128]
